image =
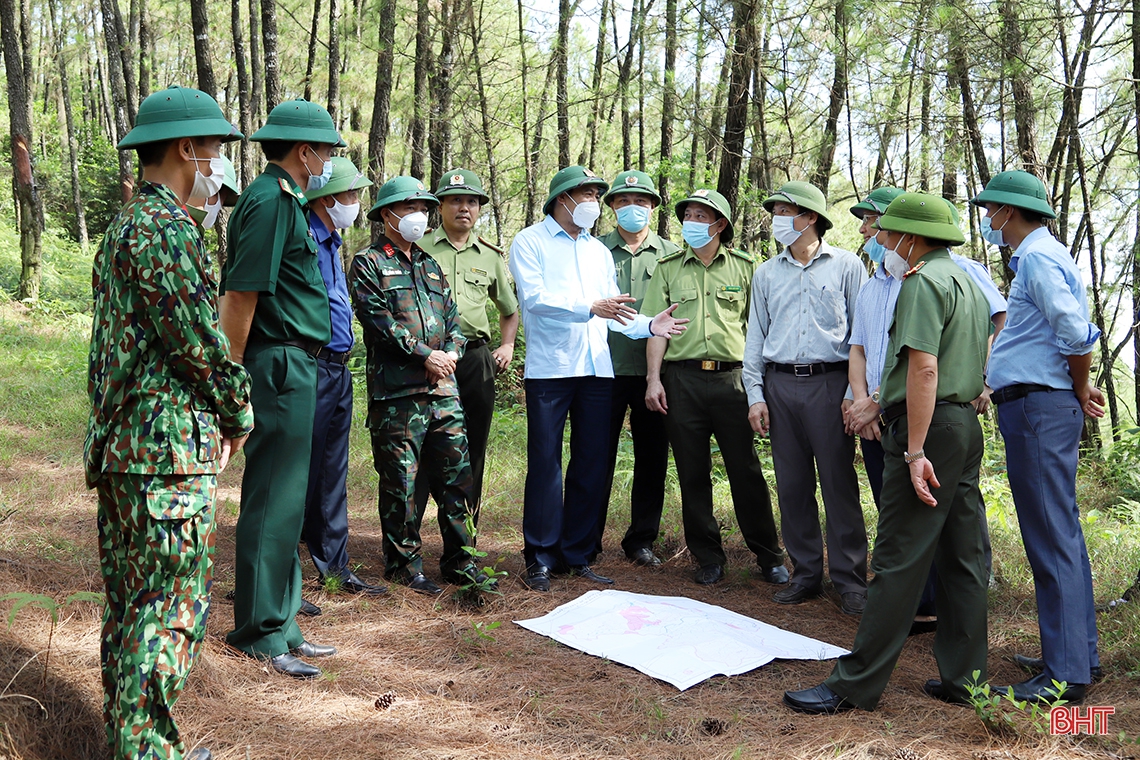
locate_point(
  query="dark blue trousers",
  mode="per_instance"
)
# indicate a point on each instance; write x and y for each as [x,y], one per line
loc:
[326,505]
[1042,432]
[561,532]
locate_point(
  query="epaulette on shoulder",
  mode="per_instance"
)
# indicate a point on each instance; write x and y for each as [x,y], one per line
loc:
[288,189]
[674,255]
[491,245]
[743,254]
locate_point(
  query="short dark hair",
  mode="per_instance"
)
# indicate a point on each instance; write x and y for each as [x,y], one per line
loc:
[1033,217]
[820,228]
[152,154]
[276,150]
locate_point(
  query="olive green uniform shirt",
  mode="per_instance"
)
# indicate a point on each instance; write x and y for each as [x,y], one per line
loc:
[940,311]
[634,270]
[714,298]
[475,272]
[271,251]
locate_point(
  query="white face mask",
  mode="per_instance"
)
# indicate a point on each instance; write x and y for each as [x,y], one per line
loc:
[895,264]
[784,231]
[413,226]
[585,213]
[343,215]
[207,187]
[212,211]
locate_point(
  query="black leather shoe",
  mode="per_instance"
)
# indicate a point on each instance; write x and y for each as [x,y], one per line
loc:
[777,575]
[933,688]
[308,609]
[309,649]
[537,578]
[645,557]
[1040,690]
[200,754]
[795,594]
[707,575]
[584,571]
[289,665]
[353,585]
[853,603]
[819,700]
[421,584]
[1036,665]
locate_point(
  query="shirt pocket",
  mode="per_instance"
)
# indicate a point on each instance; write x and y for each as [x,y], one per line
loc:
[207,437]
[688,303]
[178,543]
[400,297]
[730,302]
[829,308]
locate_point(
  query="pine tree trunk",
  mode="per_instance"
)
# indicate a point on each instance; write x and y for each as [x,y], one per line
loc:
[736,112]
[668,106]
[713,135]
[562,95]
[118,93]
[333,94]
[528,163]
[587,158]
[695,154]
[69,125]
[423,64]
[312,60]
[382,97]
[272,63]
[245,112]
[838,97]
[203,57]
[256,62]
[485,118]
[146,51]
[624,74]
[439,142]
[1021,85]
[1136,241]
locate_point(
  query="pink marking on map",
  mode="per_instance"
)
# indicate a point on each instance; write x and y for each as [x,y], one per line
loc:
[565,628]
[636,618]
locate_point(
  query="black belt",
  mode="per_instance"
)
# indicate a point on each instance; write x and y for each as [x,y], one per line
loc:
[311,347]
[894,411]
[807,370]
[332,356]
[478,343]
[708,365]
[1018,390]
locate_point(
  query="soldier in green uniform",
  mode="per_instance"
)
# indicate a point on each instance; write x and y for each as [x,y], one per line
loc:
[411,331]
[695,381]
[476,272]
[168,410]
[933,444]
[276,314]
[636,249]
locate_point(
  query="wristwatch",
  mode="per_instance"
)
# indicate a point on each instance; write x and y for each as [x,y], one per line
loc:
[875,397]
[910,458]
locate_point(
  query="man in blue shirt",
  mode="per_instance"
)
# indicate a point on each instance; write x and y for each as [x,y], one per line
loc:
[569,300]
[1039,370]
[332,207]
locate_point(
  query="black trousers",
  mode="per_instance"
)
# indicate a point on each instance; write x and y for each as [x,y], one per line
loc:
[325,531]
[650,464]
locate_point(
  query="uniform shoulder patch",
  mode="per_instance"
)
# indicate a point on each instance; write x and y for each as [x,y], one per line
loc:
[914,269]
[672,255]
[743,254]
[482,240]
[288,189]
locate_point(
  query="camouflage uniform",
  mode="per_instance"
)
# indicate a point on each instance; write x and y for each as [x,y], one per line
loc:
[407,311]
[163,394]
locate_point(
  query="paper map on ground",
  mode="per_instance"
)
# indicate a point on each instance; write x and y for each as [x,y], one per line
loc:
[678,640]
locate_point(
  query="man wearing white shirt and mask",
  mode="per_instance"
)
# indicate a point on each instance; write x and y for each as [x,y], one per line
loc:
[569,300]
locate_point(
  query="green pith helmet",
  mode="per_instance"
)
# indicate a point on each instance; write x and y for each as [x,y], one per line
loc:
[1018,189]
[632,181]
[803,194]
[713,200]
[876,201]
[299,121]
[953,211]
[229,182]
[461,182]
[921,214]
[568,179]
[178,112]
[345,177]
[400,189]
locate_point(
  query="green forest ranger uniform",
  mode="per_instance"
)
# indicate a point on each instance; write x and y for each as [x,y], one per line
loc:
[940,311]
[407,311]
[701,374]
[163,394]
[271,252]
[476,273]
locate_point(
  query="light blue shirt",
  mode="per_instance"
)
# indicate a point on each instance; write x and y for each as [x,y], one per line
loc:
[873,314]
[800,314]
[981,277]
[1048,318]
[558,278]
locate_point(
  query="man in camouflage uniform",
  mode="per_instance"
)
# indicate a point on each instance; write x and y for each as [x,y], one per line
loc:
[411,331]
[168,410]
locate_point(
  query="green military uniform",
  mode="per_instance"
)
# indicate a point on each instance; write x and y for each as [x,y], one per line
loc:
[940,311]
[705,394]
[477,272]
[407,311]
[163,394]
[271,252]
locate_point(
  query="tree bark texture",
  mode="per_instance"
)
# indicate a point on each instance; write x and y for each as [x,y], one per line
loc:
[272,63]
[203,57]
[736,112]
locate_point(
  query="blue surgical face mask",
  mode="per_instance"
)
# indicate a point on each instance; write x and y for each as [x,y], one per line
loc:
[996,237]
[632,218]
[317,181]
[696,234]
[875,250]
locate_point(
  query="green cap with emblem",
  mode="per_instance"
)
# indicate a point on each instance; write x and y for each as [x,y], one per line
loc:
[299,121]
[1018,189]
[345,177]
[569,178]
[461,182]
[632,181]
[921,214]
[400,189]
[713,200]
[876,201]
[803,194]
[178,112]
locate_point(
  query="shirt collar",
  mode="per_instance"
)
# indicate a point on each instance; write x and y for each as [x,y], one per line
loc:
[554,229]
[321,232]
[383,240]
[824,250]
[690,254]
[439,236]
[167,195]
[275,171]
[1031,238]
[615,240]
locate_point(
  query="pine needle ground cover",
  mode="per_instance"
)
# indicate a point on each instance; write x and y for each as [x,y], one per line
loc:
[422,678]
